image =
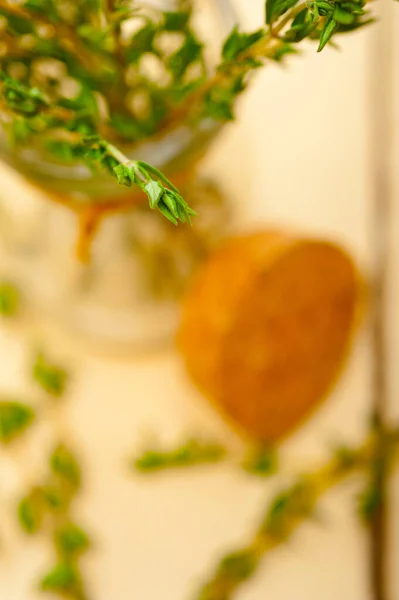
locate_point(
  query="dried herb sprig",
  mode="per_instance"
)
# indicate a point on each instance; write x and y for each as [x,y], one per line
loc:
[287,511]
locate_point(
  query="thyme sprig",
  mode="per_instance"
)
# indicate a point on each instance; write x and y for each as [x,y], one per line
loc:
[50,503]
[191,453]
[92,149]
[258,460]
[47,506]
[288,22]
[289,509]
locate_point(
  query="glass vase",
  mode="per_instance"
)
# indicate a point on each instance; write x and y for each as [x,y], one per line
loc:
[115,281]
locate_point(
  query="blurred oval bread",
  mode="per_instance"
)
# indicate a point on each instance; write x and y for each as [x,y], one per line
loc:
[266,326]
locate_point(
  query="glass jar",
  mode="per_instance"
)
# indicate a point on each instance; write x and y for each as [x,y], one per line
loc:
[120,287]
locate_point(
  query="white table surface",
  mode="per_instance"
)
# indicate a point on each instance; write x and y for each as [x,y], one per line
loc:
[158,538]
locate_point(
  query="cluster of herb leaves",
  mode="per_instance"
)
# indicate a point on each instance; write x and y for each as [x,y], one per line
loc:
[76,77]
[48,505]
[52,49]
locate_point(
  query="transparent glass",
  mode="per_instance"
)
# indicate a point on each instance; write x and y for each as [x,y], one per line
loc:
[126,294]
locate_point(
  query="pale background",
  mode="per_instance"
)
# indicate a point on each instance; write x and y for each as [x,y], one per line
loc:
[298,157]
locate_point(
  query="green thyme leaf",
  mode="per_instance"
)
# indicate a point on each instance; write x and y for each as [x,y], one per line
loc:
[64,464]
[344,456]
[141,43]
[170,200]
[21,98]
[238,566]
[122,173]
[324,7]
[51,378]
[262,461]
[30,512]
[302,26]
[154,191]
[282,51]
[276,8]
[15,418]
[239,42]
[9,299]
[185,56]
[55,497]
[372,497]
[328,31]
[232,45]
[167,213]
[71,540]
[176,21]
[218,108]
[342,16]
[354,26]
[64,578]
[18,25]
[369,501]
[296,502]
